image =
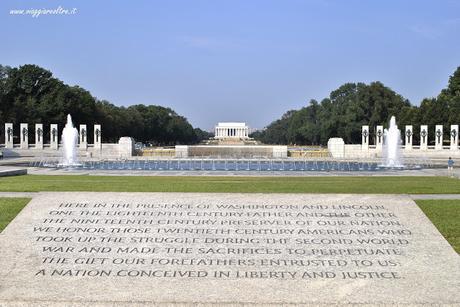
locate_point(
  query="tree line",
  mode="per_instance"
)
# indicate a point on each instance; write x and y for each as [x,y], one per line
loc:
[30,94]
[353,105]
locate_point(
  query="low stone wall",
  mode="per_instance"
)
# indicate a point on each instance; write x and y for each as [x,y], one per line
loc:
[4,172]
[236,151]
[355,151]
[124,149]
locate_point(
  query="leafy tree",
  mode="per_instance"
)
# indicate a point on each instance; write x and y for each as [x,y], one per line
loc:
[349,107]
[31,94]
[450,98]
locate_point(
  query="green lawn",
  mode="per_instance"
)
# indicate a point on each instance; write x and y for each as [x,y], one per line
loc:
[9,208]
[445,215]
[330,184]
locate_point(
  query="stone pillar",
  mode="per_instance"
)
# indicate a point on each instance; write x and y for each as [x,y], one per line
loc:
[181,151]
[279,151]
[453,137]
[97,137]
[438,137]
[83,137]
[24,133]
[423,137]
[38,136]
[54,137]
[336,147]
[125,147]
[8,135]
[365,138]
[409,137]
[379,138]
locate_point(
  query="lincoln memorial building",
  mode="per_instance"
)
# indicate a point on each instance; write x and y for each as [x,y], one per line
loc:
[231,130]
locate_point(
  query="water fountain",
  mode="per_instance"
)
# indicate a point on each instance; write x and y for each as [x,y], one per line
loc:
[391,146]
[391,159]
[69,142]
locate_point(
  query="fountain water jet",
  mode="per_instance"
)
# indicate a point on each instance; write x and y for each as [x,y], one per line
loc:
[69,142]
[391,146]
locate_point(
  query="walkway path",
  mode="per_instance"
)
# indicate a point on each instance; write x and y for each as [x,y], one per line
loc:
[18,194]
[413,196]
[434,196]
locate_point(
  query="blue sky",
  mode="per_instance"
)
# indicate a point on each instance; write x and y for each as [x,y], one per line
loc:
[231,60]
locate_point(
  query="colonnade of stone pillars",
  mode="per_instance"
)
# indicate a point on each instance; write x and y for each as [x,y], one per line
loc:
[54,135]
[407,135]
[232,132]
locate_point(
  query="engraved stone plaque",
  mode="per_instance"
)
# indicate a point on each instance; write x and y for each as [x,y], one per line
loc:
[142,248]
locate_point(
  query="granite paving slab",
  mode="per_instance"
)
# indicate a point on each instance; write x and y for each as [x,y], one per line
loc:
[88,249]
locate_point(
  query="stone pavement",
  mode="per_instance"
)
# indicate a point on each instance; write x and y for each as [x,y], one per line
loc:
[434,196]
[187,249]
[412,196]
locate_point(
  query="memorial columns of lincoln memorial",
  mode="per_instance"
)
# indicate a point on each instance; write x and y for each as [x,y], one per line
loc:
[231,130]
